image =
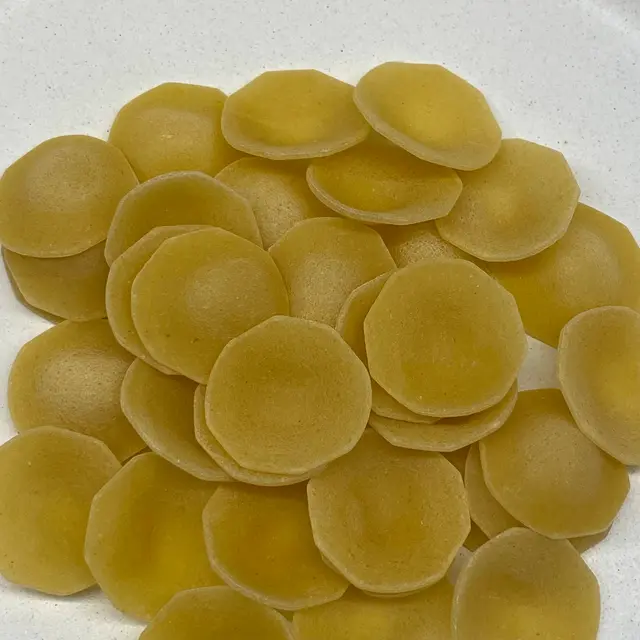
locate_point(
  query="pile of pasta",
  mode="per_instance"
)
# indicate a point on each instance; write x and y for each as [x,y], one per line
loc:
[280,396]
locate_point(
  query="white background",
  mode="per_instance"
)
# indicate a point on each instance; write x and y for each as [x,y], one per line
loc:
[561,72]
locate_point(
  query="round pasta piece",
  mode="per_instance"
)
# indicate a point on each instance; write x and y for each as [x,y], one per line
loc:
[390,520]
[599,372]
[144,540]
[538,444]
[216,612]
[293,114]
[198,291]
[160,408]
[70,377]
[516,206]
[259,541]
[523,585]
[448,434]
[48,478]
[287,397]
[59,199]
[595,264]
[423,616]
[72,287]
[277,192]
[444,338]
[386,406]
[377,182]
[323,260]
[185,197]
[173,127]
[430,112]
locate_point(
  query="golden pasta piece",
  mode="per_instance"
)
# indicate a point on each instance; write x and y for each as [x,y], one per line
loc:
[390,520]
[599,372]
[173,127]
[48,478]
[516,206]
[72,287]
[539,444]
[377,182]
[293,114]
[208,442]
[423,616]
[70,377]
[160,408]
[523,585]
[216,612]
[386,406]
[198,291]
[59,199]
[475,539]
[430,112]
[287,397]
[277,192]
[144,540]
[584,543]
[444,338]
[323,260]
[185,197]
[259,541]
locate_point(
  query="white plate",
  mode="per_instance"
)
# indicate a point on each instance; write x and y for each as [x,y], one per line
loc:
[560,72]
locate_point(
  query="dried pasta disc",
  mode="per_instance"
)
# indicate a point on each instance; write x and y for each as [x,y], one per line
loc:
[475,539]
[58,200]
[48,478]
[198,291]
[277,192]
[293,114]
[70,377]
[173,127]
[287,397]
[216,612]
[516,206]
[386,406]
[599,372]
[259,541]
[160,408]
[71,288]
[444,339]
[584,543]
[595,264]
[379,183]
[429,111]
[323,260]
[423,616]
[522,585]
[538,444]
[391,520]
[144,540]
[208,442]
[185,197]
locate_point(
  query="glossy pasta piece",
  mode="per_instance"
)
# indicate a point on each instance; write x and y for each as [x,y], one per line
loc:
[173,127]
[539,444]
[259,540]
[160,408]
[432,113]
[523,585]
[323,260]
[70,377]
[59,199]
[390,520]
[144,540]
[185,197]
[277,192]
[198,291]
[595,264]
[287,397]
[216,612]
[48,478]
[444,339]
[293,114]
